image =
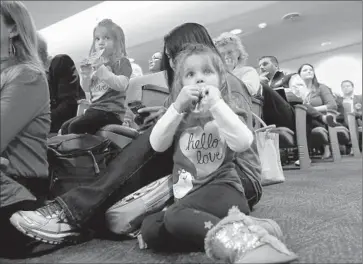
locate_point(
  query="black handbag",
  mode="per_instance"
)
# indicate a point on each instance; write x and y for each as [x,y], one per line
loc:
[76,160]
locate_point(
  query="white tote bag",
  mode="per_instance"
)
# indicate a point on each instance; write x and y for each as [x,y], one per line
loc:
[269,153]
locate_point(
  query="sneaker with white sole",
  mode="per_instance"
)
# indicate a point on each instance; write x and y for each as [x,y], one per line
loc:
[48,224]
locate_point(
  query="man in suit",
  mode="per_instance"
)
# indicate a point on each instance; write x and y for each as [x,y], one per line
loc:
[349,103]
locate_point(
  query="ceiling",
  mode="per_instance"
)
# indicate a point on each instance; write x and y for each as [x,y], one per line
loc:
[339,22]
[46,13]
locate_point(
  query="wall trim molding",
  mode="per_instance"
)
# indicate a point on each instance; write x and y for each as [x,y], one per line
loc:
[320,52]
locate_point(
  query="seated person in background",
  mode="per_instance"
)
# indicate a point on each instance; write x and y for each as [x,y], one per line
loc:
[349,99]
[64,86]
[320,97]
[24,117]
[277,107]
[104,77]
[235,56]
[276,110]
[155,62]
[289,86]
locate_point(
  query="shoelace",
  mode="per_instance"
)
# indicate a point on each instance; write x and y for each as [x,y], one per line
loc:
[52,209]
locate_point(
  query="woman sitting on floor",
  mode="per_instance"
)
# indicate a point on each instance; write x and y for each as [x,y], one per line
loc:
[25,117]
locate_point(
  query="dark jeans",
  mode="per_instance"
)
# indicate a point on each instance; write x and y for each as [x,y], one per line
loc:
[21,193]
[60,116]
[276,110]
[184,225]
[90,122]
[136,166]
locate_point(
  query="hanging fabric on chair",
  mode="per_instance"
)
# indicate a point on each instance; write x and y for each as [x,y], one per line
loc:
[269,152]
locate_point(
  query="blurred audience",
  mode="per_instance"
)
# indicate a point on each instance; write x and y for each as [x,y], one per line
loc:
[277,89]
[64,85]
[235,56]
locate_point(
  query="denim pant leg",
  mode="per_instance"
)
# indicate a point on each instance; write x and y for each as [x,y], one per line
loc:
[252,187]
[136,166]
[276,110]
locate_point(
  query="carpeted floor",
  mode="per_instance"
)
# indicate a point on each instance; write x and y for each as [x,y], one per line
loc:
[319,211]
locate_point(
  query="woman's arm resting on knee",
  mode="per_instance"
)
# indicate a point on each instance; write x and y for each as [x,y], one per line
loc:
[327,97]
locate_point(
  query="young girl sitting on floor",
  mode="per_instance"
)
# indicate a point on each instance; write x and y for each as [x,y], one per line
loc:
[105,77]
[206,134]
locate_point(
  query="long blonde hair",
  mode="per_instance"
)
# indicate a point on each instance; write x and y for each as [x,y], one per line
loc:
[199,49]
[23,47]
[118,38]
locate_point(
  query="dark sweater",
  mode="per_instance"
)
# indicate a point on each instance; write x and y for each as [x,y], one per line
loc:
[65,90]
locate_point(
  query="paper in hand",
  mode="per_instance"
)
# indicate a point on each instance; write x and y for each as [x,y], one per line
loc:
[93,58]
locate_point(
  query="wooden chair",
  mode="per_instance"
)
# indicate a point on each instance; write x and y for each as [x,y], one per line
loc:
[350,119]
[257,104]
[333,138]
[300,139]
[354,131]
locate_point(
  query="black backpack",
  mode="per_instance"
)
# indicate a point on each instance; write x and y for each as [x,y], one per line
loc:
[76,160]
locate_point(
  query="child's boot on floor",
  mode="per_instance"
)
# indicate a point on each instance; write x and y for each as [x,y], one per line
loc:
[238,239]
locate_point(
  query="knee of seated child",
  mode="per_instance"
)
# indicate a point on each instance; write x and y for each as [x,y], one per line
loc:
[150,230]
[173,219]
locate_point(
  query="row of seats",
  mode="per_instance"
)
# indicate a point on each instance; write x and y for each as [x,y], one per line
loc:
[150,90]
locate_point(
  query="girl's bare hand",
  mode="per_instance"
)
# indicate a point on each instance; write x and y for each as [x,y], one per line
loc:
[187,98]
[211,95]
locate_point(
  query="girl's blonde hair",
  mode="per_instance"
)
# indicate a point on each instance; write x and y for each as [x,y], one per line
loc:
[23,47]
[229,38]
[118,38]
[199,49]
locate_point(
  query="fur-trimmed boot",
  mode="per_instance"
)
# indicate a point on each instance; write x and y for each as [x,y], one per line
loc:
[239,239]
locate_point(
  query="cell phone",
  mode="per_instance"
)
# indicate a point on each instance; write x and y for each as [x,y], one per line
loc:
[135,106]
